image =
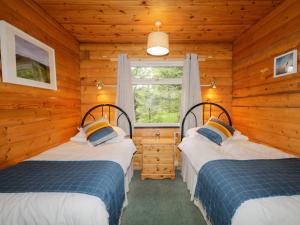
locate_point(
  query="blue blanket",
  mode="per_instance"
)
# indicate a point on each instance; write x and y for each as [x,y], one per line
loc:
[223,185]
[103,179]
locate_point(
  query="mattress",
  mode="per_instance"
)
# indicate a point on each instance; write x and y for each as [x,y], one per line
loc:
[67,208]
[278,210]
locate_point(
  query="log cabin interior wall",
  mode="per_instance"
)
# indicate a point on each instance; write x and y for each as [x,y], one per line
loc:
[96,64]
[267,109]
[32,119]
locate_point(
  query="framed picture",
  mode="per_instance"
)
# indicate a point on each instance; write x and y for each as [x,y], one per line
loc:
[285,64]
[25,60]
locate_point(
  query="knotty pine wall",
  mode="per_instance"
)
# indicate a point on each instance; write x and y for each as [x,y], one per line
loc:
[32,119]
[98,62]
[265,108]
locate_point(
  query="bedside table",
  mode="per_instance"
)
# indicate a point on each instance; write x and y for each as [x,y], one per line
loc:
[158,158]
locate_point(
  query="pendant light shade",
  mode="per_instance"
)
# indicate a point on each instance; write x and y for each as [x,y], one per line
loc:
[158,42]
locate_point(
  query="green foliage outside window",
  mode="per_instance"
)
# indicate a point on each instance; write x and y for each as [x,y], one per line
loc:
[157,103]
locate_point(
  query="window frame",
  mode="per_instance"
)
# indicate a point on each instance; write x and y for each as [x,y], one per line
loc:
[147,81]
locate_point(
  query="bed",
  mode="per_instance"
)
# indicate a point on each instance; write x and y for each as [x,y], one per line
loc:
[92,174]
[219,188]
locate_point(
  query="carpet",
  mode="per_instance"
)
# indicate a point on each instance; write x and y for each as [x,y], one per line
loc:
[160,202]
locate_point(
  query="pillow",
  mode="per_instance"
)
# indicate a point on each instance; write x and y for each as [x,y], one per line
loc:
[215,131]
[237,136]
[99,132]
[228,127]
[120,136]
[191,132]
[79,137]
[102,119]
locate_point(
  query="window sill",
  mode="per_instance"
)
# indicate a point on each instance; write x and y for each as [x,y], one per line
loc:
[157,125]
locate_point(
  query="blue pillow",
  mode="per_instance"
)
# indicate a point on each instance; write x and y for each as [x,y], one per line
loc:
[212,134]
[102,135]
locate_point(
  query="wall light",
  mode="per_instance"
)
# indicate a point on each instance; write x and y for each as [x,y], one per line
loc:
[158,42]
[212,84]
[99,85]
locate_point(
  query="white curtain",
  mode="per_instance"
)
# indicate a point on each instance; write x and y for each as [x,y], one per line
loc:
[191,92]
[124,92]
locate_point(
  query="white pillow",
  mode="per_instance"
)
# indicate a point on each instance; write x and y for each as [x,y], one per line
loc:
[79,137]
[119,138]
[191,132]
[237,136]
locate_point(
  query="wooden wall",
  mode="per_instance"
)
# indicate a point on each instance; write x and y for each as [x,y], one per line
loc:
[98,62]
[33,119]
[265,108]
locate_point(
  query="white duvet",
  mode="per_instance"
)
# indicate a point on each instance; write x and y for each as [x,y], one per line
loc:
[280,210]
[66,208]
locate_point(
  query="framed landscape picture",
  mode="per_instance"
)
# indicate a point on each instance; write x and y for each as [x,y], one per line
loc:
[285,64]
[25,60]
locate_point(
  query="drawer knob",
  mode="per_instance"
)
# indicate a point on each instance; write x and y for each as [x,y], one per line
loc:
[157,150]
[157,159]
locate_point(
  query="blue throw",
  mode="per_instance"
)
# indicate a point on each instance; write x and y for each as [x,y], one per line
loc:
[223,185]
[103,179]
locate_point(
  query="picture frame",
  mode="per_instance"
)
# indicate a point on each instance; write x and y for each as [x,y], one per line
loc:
[285,64]
[26,60]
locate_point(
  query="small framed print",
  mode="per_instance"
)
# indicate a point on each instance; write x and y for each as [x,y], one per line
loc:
[285,64]
[25,60]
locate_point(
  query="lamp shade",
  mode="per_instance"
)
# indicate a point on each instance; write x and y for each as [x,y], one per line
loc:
[158,43]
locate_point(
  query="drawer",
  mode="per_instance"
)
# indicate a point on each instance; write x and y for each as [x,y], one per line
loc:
[158,158]
[158,148]
[158,169]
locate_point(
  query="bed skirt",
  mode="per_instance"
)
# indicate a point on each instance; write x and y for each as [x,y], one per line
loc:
[189,176]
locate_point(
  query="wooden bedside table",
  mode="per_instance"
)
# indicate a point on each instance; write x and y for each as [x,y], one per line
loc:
[158,158]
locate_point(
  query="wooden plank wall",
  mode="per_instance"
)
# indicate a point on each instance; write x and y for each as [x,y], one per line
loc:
[264,108]
[32,119]
[96,64]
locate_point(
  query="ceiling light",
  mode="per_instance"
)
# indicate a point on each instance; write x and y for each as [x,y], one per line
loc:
[158,42]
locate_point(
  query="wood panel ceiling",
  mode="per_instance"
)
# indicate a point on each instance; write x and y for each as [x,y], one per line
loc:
[129,21]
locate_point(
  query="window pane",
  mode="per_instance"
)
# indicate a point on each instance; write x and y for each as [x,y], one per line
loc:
[157,103]
[157,72]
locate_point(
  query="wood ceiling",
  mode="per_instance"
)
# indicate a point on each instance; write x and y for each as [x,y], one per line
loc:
[129,21]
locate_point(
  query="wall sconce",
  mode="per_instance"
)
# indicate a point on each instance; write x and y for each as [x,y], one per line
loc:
[212,84]
[99,85]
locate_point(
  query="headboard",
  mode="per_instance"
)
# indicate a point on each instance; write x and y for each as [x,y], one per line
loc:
[205,106]
[109,106]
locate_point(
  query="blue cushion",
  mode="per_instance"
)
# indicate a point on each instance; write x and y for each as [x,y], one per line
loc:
[102,135]
[211,135]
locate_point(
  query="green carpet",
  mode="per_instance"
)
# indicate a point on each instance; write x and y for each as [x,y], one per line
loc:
[160,202]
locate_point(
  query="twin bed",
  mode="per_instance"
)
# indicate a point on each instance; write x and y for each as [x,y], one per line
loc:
[73,183]
[240,182]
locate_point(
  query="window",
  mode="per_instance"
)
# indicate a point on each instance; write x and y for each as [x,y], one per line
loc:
[157,93]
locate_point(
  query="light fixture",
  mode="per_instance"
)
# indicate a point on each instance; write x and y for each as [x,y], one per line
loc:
[212,84]
[158,42]
[99,85]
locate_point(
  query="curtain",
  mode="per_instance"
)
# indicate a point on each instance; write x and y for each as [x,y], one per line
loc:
[191,92]
[124,92]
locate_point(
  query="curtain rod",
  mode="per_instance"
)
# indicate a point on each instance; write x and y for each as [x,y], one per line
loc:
[200,59]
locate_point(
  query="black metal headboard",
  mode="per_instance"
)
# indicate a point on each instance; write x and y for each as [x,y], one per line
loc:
[203,104]
[89,113]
